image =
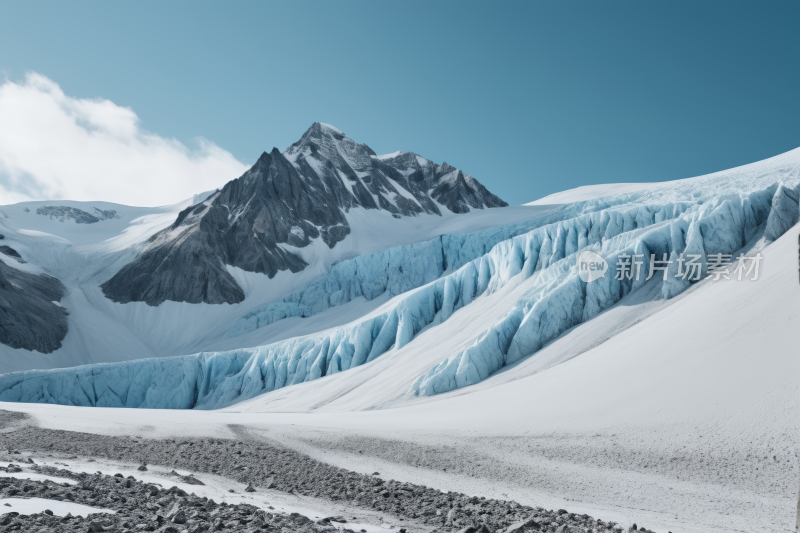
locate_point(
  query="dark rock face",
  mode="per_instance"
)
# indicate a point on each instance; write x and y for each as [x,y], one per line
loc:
[64,213]
[9,251]
[289,199]
[28,317]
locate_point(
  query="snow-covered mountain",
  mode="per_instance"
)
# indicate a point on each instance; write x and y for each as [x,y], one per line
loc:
[209,261]
[259,221]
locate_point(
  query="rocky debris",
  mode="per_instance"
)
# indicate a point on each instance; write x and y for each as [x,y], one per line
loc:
[257,464]
[289,198]
[29,318]
[138,506]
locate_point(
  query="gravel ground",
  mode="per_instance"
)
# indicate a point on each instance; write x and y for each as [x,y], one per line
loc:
[256,465]
[140,507]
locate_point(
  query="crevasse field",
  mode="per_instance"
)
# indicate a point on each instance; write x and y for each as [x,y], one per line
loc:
[667,399]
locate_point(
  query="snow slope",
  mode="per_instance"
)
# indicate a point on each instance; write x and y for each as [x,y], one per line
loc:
[127,228]
[590,192]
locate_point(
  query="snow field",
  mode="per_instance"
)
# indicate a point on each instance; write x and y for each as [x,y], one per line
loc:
[29,506]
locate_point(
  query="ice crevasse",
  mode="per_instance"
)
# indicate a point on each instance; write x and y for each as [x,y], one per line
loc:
[701,217]
[559,299]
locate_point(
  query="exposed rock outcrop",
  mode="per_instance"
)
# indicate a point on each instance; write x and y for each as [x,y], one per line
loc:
[29,317]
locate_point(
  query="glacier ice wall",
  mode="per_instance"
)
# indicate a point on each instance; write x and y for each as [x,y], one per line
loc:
[559,299]
[555,299]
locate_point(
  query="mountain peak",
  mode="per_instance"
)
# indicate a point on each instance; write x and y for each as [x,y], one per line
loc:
[320,130]
[325,142]
[329,128]
[264,157]
[285,201]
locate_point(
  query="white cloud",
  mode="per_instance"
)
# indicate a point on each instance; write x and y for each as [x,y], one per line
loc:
[53,147]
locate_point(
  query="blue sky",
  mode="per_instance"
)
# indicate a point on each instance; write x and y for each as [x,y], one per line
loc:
[529,97]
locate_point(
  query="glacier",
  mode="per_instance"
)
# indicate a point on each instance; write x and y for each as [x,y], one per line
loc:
[393,270]
[714,214]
